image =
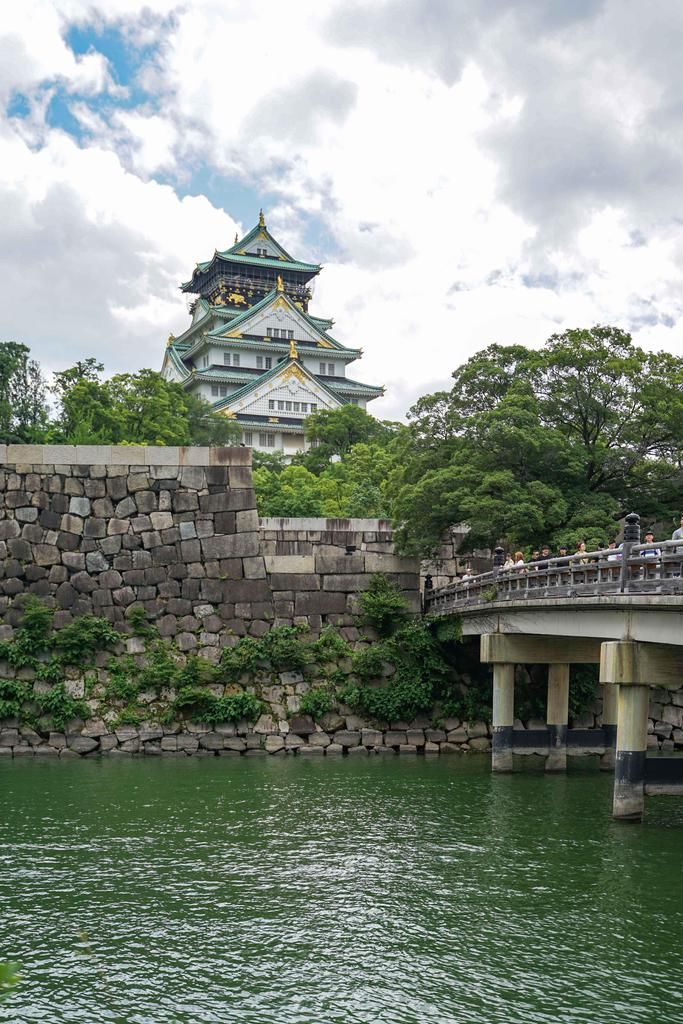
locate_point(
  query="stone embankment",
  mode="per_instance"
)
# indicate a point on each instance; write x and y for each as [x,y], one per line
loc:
[300,735]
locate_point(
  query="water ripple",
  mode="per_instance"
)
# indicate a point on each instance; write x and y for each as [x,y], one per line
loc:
[401,891]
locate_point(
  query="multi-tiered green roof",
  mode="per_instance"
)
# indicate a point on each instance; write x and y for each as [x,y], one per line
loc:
[251,332]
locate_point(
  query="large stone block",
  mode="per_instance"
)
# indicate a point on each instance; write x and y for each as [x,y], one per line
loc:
[229,546]
[185,501]
[302,725]
[340,563]
[156,455]
[25,454]
[319,603]
[229,455]
[295,581]
[350,584]
[79,507]
[46,554]
[246,590]
[347,737]
[388,563]
[229,501]
[9,528]
[127,455]
[290,564]
[246,520]
[253,568]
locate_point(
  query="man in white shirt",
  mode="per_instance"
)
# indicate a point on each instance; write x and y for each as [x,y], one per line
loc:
[678,534]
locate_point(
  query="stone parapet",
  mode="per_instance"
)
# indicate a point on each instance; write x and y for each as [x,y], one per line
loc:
[66,455]
[106,528]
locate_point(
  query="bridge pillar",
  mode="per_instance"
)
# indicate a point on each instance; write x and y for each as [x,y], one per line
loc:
[629,666]
[503,716]
[609,726]
[557,717]
[629,765]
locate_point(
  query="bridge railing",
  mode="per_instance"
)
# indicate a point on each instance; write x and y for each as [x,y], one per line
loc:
[655,568]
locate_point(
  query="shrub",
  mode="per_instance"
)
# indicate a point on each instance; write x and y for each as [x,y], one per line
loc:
[61,706]
[329,646]
[420,674]
[82,638]
[130,715]
[122,683]
[283,649]
[13,693]
[159,668]
[383,606]
[317,701]
[203,706]
[196,672]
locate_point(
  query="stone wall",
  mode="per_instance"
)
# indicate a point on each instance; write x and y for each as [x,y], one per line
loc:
[175,531]
[317,567]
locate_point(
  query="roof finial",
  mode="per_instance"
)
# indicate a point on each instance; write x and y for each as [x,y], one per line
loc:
[280,284]
[171,339]
[237,238]
[261,219]
[293,354]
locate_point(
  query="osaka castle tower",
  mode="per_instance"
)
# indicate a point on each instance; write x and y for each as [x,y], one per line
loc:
[254,351]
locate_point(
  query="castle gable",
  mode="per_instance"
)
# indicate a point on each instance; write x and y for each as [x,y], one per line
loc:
[277,317]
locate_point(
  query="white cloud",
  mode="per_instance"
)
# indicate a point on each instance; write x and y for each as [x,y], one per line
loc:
[439,156]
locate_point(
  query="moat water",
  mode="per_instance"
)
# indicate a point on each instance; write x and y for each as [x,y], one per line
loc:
[284,891]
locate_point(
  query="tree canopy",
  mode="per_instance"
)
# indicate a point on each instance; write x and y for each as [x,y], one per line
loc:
[541,445]
[128,408]
[23,402]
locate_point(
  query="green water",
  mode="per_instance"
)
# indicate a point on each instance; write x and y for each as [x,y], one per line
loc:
[379,890]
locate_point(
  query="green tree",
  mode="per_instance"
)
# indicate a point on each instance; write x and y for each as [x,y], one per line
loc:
[336,431]
[542,445]
[134,408]
[23,404]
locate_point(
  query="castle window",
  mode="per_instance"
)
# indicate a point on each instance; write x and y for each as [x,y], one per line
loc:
[296,406]
[259,362]
[304,406]
[290,334]
[269,332]
[281,406]
[271,404]
[261,252]
[314,407]
[235,359]
[205,361]
[226,358]
[223,390]
[269,362]
[288,406]
[323,368]
[330,369]
[266,440]
[214,390]
[248,437]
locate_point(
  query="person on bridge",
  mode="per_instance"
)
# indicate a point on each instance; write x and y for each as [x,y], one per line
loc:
[509,562]
[678,534]
[581,552]
[650,552]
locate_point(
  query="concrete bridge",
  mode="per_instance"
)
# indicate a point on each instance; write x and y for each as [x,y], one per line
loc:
[621,609]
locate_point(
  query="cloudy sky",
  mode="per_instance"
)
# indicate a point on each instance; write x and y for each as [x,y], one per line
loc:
[468,171]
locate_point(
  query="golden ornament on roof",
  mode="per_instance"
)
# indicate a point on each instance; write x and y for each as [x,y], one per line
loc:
[237,238]
[280,284]
[293,354]
[261,219]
